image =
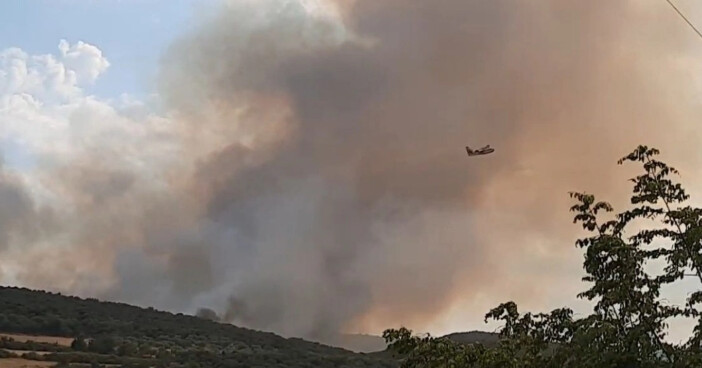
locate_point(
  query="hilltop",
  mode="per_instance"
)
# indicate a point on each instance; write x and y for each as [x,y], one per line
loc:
[116,333]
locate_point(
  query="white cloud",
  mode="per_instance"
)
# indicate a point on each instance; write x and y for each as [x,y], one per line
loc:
[85,60]
[50,78]
[72,139]
[43,105]
[40,76]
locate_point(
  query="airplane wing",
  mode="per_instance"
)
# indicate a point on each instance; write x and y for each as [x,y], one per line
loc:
[482,151]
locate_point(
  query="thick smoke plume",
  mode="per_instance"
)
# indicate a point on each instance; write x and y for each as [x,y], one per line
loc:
[323,183]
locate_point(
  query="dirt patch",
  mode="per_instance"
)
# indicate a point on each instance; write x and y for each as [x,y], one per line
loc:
[20,352]
[63,341]
[24,363]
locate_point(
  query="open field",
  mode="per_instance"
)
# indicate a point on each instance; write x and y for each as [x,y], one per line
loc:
[24,363]
[20,352]
[63,341]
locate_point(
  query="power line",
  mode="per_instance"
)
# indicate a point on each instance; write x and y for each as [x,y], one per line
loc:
[685,18]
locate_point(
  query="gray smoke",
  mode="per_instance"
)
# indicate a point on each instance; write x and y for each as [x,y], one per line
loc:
[330,189]
[21,220]
[359,195]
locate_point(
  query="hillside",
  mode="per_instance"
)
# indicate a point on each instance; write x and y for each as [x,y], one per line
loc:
[135,337]
[358,343]
[473,337]
[370,343]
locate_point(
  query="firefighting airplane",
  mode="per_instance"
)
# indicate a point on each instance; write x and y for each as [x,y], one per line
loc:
[482,151]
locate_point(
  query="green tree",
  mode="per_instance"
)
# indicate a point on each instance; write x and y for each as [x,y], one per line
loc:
[79,344]
[628,324]
[127,348]
[102,345]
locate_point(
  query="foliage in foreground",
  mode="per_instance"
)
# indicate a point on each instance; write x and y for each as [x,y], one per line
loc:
[627,327]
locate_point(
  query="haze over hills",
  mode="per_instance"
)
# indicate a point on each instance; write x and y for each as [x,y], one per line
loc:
[365,343]
[358,343]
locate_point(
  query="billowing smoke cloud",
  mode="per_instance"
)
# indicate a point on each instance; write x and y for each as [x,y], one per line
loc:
[21,222]
[322,184]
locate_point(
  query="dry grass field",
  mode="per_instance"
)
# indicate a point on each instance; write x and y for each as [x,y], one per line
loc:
[20,352]
[63,341]
[24,363]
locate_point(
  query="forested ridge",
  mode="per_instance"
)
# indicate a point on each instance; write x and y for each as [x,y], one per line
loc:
[116,333]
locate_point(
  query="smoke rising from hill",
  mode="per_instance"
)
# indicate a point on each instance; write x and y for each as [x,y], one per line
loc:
[324,185]
[344,178]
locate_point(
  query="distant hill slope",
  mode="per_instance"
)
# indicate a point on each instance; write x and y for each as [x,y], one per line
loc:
[176,337]
[371,344]
[358,343]
[472,337]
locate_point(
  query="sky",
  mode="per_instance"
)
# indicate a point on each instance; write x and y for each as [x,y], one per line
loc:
[243,155]
[132,34]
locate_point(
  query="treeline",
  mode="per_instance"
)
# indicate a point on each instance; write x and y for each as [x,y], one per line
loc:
[116,333]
